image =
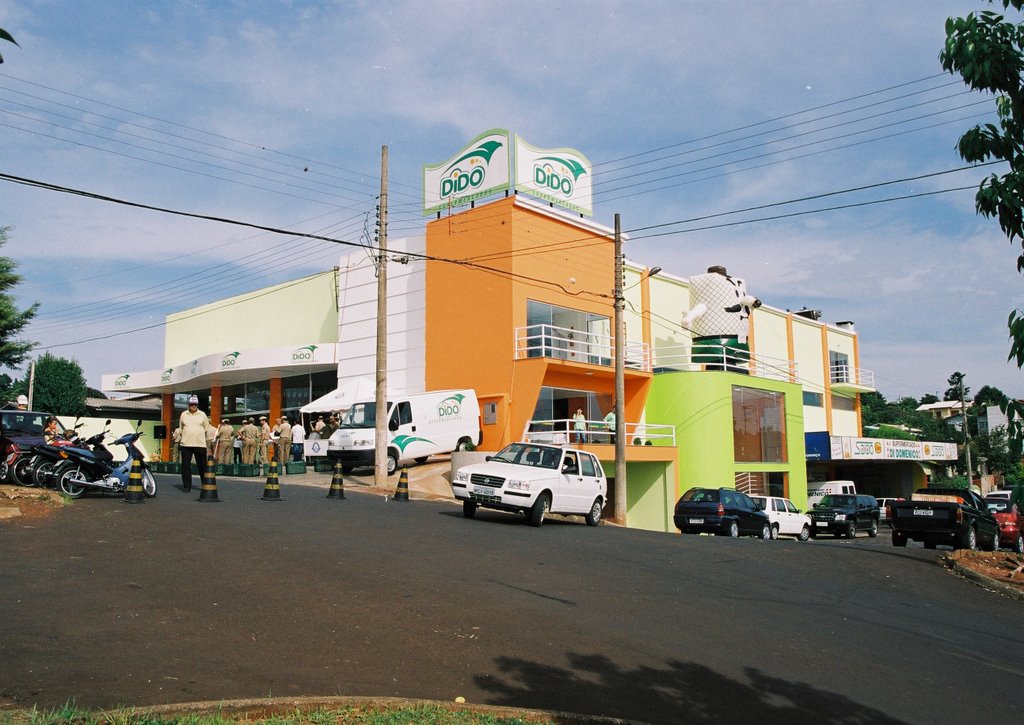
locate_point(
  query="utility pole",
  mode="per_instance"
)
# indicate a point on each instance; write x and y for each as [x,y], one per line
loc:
[380,452]
[620,381]
[31,382]
[967,435]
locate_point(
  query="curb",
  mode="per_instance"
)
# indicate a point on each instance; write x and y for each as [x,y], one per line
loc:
[265,707]
[982,580]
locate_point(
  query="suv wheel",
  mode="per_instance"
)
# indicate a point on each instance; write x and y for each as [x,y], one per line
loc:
[873,531]
[469,509]
[766,532]
[775,531]
[805,533]
[851,530]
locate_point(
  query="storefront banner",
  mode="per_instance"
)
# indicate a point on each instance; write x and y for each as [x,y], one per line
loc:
[889,449]
[479,169]
[218,362]
[817,446]
[560,176]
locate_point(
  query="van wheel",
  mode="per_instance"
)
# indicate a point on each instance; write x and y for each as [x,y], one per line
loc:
[593,517]
[422,459]
[392,463]
[463,444]
[469,509]
[539,510]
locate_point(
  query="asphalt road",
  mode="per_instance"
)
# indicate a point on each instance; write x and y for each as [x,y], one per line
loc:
[173,601]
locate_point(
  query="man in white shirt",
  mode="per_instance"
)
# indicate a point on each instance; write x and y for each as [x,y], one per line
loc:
[298,440]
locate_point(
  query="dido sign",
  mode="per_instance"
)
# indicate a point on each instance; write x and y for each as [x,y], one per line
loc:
[561,176]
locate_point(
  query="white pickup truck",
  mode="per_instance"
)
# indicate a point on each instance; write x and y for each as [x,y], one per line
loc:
[536,480]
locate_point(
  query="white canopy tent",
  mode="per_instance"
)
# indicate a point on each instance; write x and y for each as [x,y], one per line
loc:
[342,398]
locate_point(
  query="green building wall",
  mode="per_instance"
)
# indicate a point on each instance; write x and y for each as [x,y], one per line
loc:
[699,406]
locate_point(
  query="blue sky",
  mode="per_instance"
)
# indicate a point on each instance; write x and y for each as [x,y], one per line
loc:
[275,113]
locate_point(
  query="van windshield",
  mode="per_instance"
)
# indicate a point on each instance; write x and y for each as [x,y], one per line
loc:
[360,415]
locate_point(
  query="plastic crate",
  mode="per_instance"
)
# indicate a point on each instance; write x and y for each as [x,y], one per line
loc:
[247,469]
[323,466]
[294,467]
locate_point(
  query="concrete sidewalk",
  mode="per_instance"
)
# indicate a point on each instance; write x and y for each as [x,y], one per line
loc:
[428,482]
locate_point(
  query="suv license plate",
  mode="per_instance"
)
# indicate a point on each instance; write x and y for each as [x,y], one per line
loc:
[483,491]
[696,521]
[924,512]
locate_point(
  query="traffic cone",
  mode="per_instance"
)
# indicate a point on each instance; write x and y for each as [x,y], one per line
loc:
[133,491]
[208,493]
[402,492]
[272,489]
[337,483]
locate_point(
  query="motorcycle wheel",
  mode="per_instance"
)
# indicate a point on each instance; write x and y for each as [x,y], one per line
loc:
[70,481]
[148,483]
[22,471]
[43,474]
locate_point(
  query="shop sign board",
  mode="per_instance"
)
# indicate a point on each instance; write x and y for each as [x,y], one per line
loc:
[561,176]
[479,169]
[889,449]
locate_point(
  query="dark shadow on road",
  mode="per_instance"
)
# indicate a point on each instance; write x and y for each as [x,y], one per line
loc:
[679,692]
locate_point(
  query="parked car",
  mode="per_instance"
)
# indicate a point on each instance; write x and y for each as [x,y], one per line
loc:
[845,515]
[957,517]
[19,431]
[534,480]
[1011,523]
[882,503]
[721,511]
[786,518]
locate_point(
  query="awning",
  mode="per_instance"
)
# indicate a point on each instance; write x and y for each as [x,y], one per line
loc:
[342,399]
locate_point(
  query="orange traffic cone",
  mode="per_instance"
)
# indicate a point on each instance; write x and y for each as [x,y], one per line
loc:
[208,493]
[337,483]
[133,491]
[402,492]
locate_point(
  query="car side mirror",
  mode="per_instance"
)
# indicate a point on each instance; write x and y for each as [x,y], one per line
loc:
[392,425]
[488,458]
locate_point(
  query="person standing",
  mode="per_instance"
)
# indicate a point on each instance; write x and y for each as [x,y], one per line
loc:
[250,437]
[298,441]
[175,443]
[236,443]
[211,441]
[263,453]
[225,442]
[579,424]
[194,428]
[609,423]
[284,443]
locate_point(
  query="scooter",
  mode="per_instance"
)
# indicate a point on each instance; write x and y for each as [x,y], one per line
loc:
[96,469]
[36,466]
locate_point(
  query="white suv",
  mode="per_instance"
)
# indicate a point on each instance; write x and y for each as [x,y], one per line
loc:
[785,517]
[536,480]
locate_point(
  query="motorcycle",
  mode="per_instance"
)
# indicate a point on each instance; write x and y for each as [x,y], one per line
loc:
[36,468]
[96,469]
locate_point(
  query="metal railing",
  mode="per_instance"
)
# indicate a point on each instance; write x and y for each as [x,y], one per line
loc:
[561,343]
[840,374]
[564,432]
[721,357]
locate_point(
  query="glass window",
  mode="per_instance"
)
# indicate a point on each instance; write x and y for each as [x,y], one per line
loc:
[588,466]
[790,507]
[814,400]
[759,425]
[843,402]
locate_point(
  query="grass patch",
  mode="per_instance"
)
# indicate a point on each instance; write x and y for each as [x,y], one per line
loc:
[363,715]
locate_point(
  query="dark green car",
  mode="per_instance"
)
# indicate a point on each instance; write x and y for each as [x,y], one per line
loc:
[843,514]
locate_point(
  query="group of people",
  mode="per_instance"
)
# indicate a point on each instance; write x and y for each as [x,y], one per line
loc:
[579,425]
[196,438]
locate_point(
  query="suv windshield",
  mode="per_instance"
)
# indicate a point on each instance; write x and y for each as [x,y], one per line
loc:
[839,501]
[525,454]
[24,421]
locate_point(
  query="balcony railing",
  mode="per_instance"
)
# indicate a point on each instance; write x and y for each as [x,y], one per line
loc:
[561,343]
[720,357]
[844,375]
[564,431]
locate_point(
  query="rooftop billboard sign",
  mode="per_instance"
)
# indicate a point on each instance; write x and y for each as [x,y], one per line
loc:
[485,166]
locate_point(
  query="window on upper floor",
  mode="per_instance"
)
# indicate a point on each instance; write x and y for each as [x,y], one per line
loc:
[758,425]
[844,402]
[814,400]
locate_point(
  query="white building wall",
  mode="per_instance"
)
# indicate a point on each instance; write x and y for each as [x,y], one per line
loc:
[406,318]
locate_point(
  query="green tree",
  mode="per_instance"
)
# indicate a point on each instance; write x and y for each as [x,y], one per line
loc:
[12,352]
[929,398]
[987,51]
[956,387]
[4,35]
[988,395]
[59,386]
[872,408]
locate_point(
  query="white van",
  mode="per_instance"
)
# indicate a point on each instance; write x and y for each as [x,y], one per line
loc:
[419,425]
[816,491]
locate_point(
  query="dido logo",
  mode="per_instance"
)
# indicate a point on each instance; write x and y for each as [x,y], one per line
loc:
[229,360]
[166,376]
[304,353]
[545,176]
[122,381]
[458,180]
[450,406]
